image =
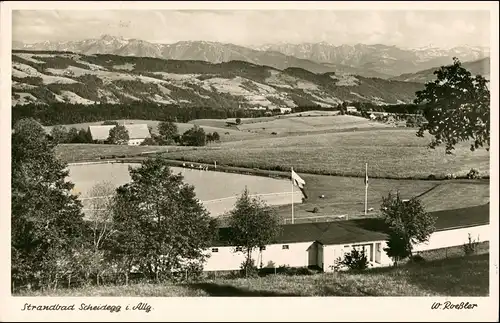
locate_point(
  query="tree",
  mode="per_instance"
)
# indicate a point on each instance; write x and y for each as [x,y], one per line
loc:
[118,135]
[83,136]
[408,223]
[100,217]
[110,123]
[253,225]
[73,135]
[159,222]
[457,108]
[215,136]
[47,221]
[167,131]
[194,137]
[59,134]
[238,121]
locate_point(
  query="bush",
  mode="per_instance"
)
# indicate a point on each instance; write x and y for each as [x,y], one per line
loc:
[248,268]
[417,259]
[473,174]
[354,260]
[470,247]
[315,210]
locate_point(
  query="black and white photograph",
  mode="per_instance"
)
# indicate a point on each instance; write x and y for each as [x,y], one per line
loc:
[173,152]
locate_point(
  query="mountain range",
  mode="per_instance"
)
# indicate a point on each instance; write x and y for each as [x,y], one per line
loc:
[44,77]
[380,61]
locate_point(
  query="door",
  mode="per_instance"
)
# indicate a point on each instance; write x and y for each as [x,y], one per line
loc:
[378,252]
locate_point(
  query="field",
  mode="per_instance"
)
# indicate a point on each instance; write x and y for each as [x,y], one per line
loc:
[443,273]
[311,124]
[396,153]
[345,195]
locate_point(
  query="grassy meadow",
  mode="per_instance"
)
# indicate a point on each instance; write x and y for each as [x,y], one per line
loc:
[396,153]
[445,272]
[345,195]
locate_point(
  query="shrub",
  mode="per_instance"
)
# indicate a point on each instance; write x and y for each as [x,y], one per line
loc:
[417,259]
[354,260]
[315,210]
[470,247]
[248,268]
[473,174]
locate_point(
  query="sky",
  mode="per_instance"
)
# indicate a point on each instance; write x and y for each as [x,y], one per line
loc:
[406,29]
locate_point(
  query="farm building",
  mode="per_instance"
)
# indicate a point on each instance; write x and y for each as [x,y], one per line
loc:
[320,244]
[351,109]
[136,132]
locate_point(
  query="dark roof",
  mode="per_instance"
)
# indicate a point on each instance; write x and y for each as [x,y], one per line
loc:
[324,232]
[470,216]
[362,230]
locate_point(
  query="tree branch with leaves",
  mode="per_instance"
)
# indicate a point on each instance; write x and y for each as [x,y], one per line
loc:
[457,108]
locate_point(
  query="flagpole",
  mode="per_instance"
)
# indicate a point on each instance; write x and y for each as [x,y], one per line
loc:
[292,195]
[366,188]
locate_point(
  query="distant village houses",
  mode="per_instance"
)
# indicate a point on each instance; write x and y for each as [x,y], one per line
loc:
[137,133]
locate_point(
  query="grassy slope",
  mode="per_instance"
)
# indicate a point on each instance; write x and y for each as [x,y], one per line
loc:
[390,153]
[454,276]
[311,124]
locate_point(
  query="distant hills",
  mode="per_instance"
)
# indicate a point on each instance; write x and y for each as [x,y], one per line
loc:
[45,77]
[479,67]
[380,61]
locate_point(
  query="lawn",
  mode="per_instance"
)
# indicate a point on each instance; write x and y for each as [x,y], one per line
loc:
[395,153]
[311,124]
[443,273]
[345,195]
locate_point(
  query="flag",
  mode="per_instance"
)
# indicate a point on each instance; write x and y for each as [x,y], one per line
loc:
[297,180]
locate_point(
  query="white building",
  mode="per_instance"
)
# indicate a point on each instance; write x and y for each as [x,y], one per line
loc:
[320,244]
[137,133]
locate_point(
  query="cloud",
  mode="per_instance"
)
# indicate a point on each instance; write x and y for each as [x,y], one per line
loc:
[249,27]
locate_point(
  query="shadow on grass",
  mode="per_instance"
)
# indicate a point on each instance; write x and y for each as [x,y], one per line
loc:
[463,276]
[228,290]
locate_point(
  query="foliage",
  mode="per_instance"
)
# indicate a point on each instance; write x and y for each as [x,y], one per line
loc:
[457,108]
[470,247]
[118,135]
[473,174]
[110,123]
[167,131]
[408,223]
[194,137]
[47,222]
[353,260]
[159,221]
[149,141]
[61,135]
[253,224]
[248,268]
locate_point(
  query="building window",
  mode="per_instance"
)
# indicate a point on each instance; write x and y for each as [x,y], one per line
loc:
[285,247]
[239,249]
[215,249]
[263,248]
